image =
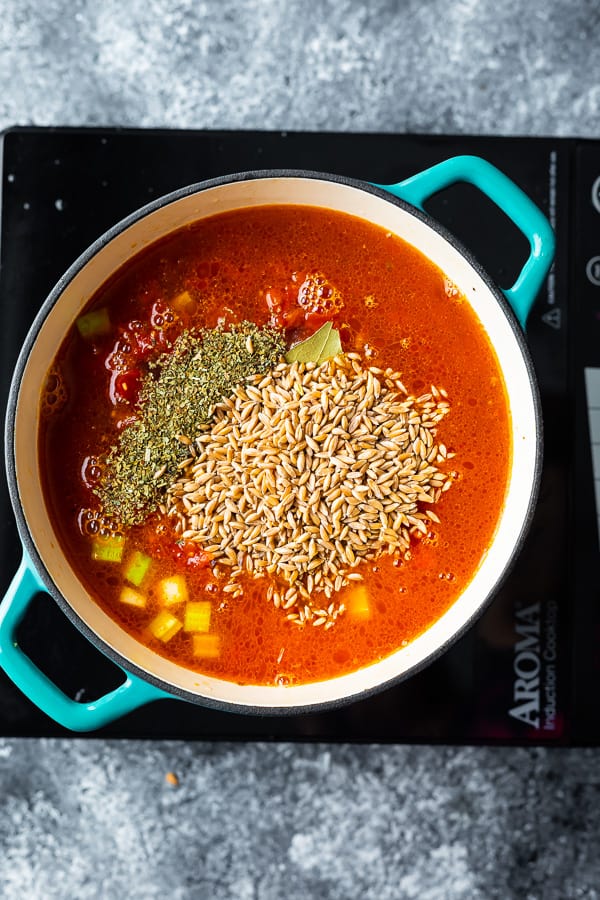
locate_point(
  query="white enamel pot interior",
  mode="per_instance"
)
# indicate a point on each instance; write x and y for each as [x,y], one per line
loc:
[153,222]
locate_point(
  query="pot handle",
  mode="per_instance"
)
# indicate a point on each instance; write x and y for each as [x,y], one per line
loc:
[71,714]
[519,208]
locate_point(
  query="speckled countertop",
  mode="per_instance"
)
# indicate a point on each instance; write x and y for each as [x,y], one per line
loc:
[87,818]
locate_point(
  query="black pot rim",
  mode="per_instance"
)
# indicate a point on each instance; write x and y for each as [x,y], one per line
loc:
[53,297]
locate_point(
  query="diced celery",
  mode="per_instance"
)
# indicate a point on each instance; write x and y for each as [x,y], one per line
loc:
[164,626]
[132,598]
[207,646]
[197,615]
[108,549]
[137,567]
[357,603]
[94,323]
[171,591]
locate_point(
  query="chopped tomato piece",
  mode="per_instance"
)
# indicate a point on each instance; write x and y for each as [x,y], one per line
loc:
[293,317]
[140,340]
[199,560]
[126,386]
[316,318]
[122,422]
[284,309]
[186,553]
[193,556]
[145,341]
[273,301]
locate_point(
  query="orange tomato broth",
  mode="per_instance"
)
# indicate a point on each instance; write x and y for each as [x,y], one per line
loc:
[248,265]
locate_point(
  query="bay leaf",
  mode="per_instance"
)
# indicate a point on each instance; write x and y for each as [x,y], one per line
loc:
[309,350]
[332,347]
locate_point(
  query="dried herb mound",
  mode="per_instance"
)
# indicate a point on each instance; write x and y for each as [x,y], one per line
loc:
[177,397]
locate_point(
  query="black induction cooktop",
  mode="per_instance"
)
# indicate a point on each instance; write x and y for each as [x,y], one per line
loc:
[527,672]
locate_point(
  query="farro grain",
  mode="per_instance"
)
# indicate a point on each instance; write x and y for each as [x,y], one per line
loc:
[307,471]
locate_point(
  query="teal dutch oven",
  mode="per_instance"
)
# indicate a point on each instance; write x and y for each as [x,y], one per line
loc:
[397,208]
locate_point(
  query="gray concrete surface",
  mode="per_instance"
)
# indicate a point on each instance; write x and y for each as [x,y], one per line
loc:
[90,818]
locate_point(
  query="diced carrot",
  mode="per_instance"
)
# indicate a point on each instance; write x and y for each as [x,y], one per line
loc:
[183,302]
[206,646]
[357,603]
[125,386]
